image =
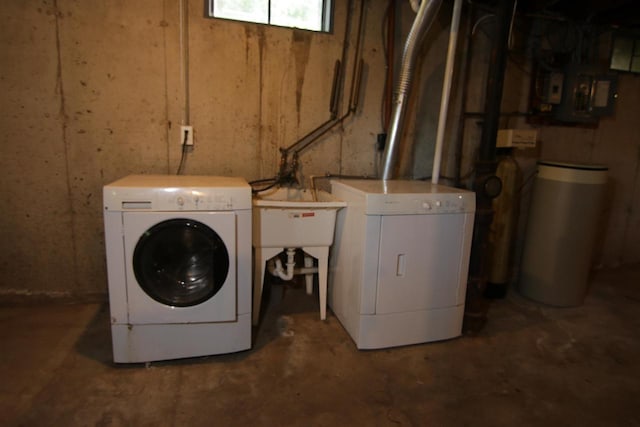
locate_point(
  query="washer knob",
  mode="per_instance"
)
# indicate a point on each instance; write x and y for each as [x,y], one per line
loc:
[426,205]
[180,201]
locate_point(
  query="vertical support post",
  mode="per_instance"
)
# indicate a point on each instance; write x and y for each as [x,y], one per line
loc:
[487,184]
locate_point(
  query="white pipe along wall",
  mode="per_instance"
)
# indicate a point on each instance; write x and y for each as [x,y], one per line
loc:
[446,90]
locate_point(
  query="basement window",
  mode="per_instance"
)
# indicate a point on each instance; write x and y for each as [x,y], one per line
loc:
[625,54]
[314,15]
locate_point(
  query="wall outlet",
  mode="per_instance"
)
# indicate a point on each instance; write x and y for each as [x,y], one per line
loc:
[188,131]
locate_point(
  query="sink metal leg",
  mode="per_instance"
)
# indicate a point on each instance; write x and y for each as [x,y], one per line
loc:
[262,255]
[321,253]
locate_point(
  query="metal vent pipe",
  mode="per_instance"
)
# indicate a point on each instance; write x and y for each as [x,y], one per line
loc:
[427,13]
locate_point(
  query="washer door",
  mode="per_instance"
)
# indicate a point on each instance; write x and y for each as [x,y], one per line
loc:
[180,262]
[181,267]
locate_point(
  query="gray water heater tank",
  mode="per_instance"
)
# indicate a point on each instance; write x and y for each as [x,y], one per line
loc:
[566,206]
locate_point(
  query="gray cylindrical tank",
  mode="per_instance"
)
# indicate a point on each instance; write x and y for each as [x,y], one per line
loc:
[566,206]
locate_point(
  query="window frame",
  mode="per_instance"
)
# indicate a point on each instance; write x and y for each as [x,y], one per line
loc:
[326,26]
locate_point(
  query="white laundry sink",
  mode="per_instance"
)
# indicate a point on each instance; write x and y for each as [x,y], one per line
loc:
[291,218]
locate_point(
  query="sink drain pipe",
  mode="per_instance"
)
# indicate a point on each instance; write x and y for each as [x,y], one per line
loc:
[279,271]
[276,269]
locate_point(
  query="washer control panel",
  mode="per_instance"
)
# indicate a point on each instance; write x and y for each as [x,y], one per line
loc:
[194,200]
[177,193]
[180,200]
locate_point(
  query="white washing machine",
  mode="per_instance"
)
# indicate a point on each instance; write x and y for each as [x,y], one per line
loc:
[400,259]
[179,266]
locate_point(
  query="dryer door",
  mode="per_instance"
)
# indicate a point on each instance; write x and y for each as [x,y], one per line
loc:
[180,267]
[421,263]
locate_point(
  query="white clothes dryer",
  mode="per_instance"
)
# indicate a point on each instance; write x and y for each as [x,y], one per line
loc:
[400,259]
[178,265]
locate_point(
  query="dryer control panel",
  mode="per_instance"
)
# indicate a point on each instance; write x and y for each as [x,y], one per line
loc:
[419,204]
[402,197]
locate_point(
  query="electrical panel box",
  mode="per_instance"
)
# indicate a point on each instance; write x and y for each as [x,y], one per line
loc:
[625,53]
[588,94]
[552,92]
[572,94]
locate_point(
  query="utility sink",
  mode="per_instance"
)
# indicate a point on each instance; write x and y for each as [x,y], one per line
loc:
[294,218]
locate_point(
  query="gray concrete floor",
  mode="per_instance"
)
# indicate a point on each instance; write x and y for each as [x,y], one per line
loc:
[531,365]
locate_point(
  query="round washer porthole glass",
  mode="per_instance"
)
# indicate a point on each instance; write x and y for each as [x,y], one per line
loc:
[180,262]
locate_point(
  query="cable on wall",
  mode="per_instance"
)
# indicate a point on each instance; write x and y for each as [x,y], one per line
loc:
[184,77]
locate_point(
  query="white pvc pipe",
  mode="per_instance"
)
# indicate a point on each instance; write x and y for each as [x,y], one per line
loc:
[275,267]
[305,270]
[446,90]
[272,267]
[279,271]
[184,59]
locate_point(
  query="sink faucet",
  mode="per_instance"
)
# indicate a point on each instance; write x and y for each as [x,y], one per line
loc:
[288,175]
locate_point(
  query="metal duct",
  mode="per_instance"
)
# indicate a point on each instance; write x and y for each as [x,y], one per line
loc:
[426,15]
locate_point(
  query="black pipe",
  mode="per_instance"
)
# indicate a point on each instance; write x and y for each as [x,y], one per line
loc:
[495,80]
[487,185]
[464,72]
[357,65]
[333,103]
[337,92]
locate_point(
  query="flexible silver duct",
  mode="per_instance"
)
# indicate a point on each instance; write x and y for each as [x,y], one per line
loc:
[426,15]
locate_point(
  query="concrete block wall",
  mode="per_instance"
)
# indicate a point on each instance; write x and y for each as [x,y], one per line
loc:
[93,92]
